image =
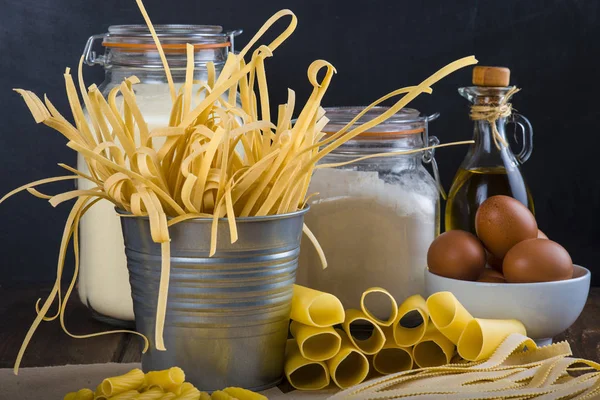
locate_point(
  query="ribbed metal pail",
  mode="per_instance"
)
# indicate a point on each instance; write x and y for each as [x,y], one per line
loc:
[227,315]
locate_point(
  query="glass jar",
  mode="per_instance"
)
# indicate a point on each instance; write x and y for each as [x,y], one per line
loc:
[130,50]
[375,218]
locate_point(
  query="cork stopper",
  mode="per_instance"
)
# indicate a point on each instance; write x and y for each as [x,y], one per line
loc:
[491,76]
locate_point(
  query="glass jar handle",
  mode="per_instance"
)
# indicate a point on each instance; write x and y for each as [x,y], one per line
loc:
[527,136]
[89,55]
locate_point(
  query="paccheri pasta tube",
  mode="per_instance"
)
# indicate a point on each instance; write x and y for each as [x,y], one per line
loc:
[304,374]
[316,344]
[314,308]
[411,321]
[430,348]
[380,295]
[198,172]
[376,339]
[349,366]
[481,337]
[448,315]
[433,349]
[392,358]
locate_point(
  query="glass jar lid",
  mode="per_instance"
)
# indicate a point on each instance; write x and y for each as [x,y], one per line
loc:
[133,45]
[407,121]
[172,37]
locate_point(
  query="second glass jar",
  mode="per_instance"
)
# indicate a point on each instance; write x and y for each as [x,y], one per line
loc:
[375,218]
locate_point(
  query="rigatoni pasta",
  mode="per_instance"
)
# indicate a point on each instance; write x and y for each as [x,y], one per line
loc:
[156,385]
[119,384]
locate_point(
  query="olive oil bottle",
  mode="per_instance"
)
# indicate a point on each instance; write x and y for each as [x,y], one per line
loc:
[490,167]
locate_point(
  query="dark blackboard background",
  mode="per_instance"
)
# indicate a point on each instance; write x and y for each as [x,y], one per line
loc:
[551,47]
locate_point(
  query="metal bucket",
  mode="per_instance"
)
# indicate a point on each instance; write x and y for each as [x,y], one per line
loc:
[227,315]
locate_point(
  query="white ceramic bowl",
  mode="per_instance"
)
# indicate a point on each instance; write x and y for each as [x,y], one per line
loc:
[545,308]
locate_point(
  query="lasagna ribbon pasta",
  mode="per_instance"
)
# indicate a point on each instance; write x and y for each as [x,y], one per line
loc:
[316,344]
[433,349]
[314,308]
[481,337]
[411,321]
[392,358]
[304,374]
[349,366]
[516,369]
[374,342]
[448,315]
[379,296]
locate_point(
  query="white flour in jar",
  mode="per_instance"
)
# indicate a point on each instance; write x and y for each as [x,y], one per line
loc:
[373,233]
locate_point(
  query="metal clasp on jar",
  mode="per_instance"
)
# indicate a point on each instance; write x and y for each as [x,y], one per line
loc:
[429,155]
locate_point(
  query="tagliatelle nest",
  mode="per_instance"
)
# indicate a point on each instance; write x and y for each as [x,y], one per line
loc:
[198,171]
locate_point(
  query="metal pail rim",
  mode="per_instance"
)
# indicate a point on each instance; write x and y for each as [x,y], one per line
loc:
[127,214]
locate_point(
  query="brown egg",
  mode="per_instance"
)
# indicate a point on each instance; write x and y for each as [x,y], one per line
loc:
[456,254]
[491,276]
[493,261]
[501,222]
[537,260]
[541,235]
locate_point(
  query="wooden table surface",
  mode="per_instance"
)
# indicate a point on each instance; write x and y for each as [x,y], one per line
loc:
[51,346]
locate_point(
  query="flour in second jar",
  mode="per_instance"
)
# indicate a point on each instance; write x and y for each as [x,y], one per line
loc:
[375,231]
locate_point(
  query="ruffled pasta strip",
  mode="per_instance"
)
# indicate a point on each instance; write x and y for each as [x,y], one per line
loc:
[316,344]
[392,358]
[349,366]
[448,315]
[304,374]
[482,336]
[411,322]
[374,342]
[511,372]
[379,295]
[433,349]
[314,308]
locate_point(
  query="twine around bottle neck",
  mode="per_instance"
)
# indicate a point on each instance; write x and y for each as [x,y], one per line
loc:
[491,114]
